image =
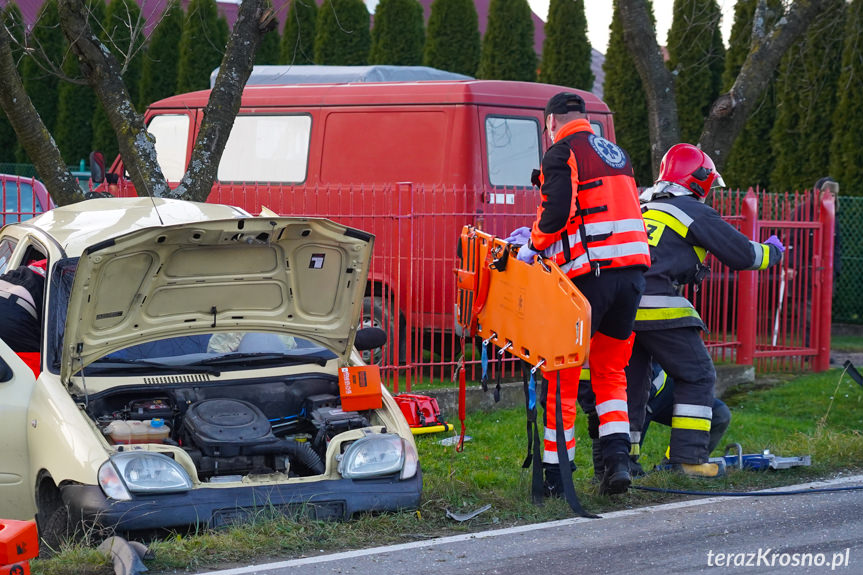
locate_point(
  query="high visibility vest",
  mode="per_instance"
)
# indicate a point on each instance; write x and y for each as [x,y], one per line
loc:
[604,228]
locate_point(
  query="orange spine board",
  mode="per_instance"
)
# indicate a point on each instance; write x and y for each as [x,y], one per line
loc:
[534,311]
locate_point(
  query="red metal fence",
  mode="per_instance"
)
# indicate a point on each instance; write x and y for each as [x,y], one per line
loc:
[22,198]
[778,319]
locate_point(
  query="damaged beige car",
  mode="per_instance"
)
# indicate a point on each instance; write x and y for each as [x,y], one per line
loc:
[190,365]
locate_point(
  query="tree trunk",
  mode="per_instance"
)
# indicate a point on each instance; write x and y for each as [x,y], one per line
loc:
[32,133]
[640,38]
[730,111]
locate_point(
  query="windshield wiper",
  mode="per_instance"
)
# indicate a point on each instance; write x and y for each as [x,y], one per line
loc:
[106,364]
[262,357]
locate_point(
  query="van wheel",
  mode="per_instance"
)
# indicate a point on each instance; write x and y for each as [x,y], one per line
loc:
[375,314]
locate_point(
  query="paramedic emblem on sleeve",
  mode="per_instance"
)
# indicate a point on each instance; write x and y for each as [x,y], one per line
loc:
[610,153]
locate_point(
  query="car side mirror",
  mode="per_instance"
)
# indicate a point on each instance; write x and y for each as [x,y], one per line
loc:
[369,338]
[97,167]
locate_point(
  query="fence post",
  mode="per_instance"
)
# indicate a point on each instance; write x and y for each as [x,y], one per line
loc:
[827,219]
[404,276]
[747,287]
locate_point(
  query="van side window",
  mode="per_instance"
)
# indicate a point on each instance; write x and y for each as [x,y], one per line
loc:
[267,149]
[172,140]
[7,246]
[512,145]
[597,128]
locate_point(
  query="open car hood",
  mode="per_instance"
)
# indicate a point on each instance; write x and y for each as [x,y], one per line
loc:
[301,276]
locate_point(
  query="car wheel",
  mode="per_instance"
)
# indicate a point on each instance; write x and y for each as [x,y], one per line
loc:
[55,530]
[375,314]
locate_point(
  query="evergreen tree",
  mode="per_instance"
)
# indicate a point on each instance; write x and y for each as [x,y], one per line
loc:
[453,40]
[507,48]
[846,165]
[807,96]
[14,22]
[202,46]
[298,41]
[116,34]
[625,96]
[398,34]
[42,86]
[566,52]
[695,55]
[77,103]
[159,71]
[343,37]
[751,159]
[268,50]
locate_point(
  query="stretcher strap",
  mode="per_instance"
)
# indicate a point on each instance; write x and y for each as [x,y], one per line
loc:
[484,362]
[534,447]
[563,460]
[462,400]
[499,376]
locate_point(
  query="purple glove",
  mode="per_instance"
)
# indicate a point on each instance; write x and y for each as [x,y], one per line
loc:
[775,242]
[526,254]
[520,236]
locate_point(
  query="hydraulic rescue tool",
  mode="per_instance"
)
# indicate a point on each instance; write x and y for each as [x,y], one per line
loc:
[533,312]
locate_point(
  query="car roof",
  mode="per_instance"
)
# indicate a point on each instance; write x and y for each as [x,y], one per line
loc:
[79,225]
[450,92]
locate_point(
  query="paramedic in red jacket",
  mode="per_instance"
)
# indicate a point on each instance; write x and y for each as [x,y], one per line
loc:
[590,224]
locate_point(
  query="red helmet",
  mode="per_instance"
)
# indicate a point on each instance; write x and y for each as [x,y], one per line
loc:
[688,166]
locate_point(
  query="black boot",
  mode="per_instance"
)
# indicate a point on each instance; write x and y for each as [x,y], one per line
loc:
[615,456]
[553,486]
[598,465]
[593,433]
[635,469]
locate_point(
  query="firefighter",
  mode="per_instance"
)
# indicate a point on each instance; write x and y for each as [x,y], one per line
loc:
[660,408]
[682,229]
[589,223]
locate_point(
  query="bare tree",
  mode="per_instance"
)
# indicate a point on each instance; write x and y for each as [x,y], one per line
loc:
[730,111]
[103,72]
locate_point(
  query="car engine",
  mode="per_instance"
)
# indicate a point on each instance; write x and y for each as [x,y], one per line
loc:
[229,430]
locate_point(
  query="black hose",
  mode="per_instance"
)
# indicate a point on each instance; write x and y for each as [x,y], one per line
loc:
[300,450]
[748,493]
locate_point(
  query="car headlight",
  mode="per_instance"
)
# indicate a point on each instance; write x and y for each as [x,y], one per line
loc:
[375,455]
[141,472]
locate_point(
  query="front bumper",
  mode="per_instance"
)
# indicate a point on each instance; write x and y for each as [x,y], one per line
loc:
[214,507]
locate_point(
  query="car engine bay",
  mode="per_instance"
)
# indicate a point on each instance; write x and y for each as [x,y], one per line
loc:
[233,429]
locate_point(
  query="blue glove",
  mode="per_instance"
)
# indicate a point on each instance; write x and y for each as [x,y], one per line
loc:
[520,236]
[526,254]
[775,242]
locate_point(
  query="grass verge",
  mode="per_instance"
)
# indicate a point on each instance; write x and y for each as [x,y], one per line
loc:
[816,414]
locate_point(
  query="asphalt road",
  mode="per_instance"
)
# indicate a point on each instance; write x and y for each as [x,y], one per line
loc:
[811,533]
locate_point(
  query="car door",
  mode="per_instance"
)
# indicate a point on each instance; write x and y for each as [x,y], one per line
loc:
[16,485]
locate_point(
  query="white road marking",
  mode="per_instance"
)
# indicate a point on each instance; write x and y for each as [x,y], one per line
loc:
[262,569]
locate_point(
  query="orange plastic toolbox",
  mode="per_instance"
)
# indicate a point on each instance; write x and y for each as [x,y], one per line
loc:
[19,541]
[360,387]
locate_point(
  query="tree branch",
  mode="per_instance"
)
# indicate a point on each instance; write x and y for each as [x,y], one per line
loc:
[731,110]
[32,133]
[254,19]
[104,75]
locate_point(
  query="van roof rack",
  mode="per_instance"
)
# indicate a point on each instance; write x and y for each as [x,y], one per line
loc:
[279,75]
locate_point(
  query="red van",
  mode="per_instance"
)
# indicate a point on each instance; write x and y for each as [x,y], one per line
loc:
[410,162]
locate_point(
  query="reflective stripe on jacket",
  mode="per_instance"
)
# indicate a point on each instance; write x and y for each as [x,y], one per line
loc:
[590,215]
[681,231]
